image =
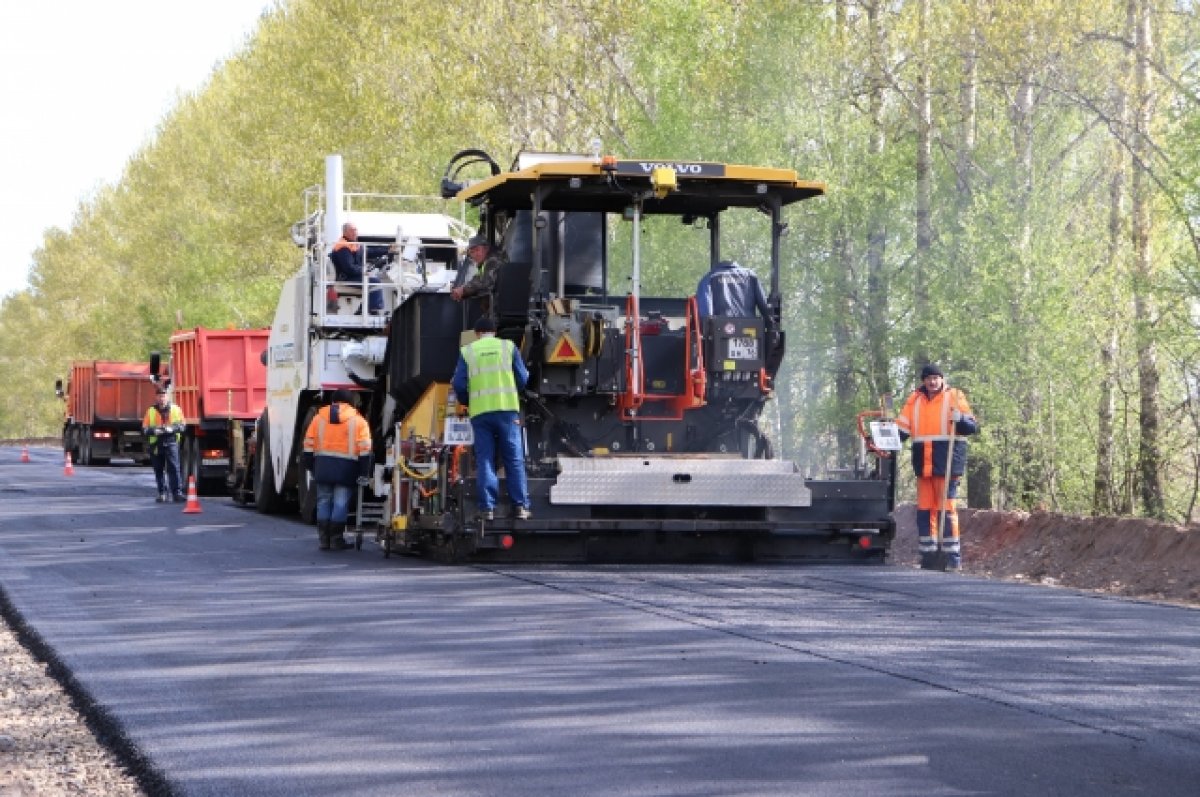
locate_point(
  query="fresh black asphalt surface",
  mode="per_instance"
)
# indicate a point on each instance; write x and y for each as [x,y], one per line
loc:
[228,656]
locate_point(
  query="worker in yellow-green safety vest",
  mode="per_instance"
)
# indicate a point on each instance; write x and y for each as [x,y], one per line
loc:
[162,427]
[488,381]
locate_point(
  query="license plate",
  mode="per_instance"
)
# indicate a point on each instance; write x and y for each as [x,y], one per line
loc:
[743,348]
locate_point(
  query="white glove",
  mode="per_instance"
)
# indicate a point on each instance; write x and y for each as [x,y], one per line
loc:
[955,416]
[363,481]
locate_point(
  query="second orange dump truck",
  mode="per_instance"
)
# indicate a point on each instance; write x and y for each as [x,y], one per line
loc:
[218,379]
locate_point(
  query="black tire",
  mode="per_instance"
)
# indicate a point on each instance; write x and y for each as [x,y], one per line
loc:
[187,464]
[85,447]
[306,487]
[266,499]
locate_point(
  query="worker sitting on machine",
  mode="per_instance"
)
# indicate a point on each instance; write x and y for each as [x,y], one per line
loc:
[349,263]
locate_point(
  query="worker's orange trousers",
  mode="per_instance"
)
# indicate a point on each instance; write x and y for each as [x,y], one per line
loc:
[929,494]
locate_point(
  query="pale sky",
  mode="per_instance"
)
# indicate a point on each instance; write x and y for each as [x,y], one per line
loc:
[83,85]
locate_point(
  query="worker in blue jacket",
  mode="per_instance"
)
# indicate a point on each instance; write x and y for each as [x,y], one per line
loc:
[730,289]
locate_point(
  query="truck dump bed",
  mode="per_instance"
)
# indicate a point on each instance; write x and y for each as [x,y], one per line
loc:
[219,373]
[103,391]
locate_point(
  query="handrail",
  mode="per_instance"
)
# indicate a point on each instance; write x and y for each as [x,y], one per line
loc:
[632,397]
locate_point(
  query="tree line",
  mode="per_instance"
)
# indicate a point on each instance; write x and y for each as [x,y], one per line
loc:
[1012,193]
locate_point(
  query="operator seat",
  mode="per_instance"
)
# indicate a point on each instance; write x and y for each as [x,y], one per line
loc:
[347,297]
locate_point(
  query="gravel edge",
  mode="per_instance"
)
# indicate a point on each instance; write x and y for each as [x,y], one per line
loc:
[55,739]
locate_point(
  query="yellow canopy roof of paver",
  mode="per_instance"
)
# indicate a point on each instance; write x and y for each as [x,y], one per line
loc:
[588,184]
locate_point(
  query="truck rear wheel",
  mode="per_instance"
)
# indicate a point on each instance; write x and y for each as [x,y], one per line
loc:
[187,463]
[306,486]
[71,442]
[266,498]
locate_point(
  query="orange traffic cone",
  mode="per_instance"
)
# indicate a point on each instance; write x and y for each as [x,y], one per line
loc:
[25,454]
[68,469]
[192,507]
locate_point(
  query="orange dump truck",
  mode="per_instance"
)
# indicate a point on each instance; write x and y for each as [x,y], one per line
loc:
[218,379]
[105,402]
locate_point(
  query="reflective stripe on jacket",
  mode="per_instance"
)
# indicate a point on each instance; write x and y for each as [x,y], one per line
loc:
[341,449]
[927,421]
[154,418]
[491,385]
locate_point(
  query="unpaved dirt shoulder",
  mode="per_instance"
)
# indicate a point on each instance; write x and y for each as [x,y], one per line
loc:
[1131,557]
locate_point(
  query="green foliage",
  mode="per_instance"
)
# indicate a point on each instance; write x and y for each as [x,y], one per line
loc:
[1015,294]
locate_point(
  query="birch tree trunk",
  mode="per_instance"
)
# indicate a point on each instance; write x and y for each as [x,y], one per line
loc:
[979,468]
[1145,312]
[1026,468]
[1104,499]
[878,284]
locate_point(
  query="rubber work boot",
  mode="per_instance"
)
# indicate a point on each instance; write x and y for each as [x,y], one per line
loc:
[336,541]
[929,561]
[323,535]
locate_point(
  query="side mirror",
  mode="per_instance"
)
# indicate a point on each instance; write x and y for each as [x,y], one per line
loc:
[58,389]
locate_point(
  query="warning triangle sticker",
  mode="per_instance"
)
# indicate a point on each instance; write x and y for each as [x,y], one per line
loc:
[566,352]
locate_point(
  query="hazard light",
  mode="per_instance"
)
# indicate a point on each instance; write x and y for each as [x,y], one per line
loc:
[101,435]
[506,541]
[663,180]
[864,542]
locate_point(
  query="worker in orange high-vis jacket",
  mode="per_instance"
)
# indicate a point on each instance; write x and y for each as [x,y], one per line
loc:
[937,418]
[337,451]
